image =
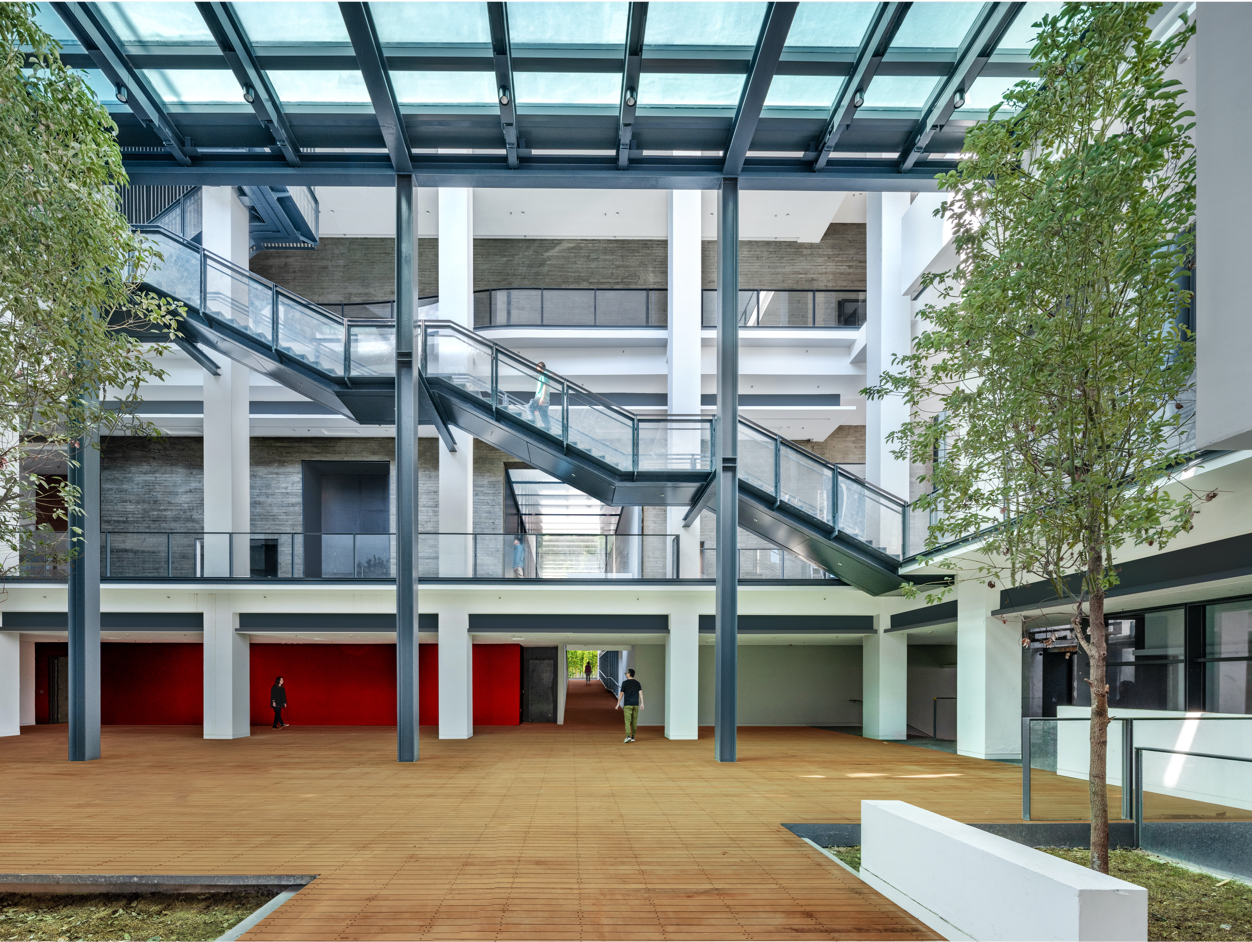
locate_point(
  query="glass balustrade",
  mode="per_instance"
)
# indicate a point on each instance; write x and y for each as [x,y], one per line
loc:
[239,300]
[870,515]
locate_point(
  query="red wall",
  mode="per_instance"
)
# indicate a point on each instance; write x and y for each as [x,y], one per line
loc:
[327,684]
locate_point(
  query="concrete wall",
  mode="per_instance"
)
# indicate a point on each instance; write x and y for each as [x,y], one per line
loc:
[364,269]
[845,445]
[648,660]
[152,484]
[790,685]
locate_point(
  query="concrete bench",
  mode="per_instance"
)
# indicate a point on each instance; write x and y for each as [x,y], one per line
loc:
[967,884]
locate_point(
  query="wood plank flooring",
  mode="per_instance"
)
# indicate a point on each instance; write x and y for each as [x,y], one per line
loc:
[533,832]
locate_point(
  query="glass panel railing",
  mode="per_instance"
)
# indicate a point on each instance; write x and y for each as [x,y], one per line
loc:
[243,302]
[310,335]
[675,443]
[785,309]
[372,349]
[756,456]
[805,482]
[600,429]
[529,394]
[621,308]
[457,357]
[1054,777]
[569,307]
[871,516]
[917,529]
[177,273]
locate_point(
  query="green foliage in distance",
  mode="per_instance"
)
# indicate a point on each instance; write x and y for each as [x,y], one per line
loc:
[574,661]
[1048,388]
[68,264]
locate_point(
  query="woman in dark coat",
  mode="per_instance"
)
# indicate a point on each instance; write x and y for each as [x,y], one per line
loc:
[278,700]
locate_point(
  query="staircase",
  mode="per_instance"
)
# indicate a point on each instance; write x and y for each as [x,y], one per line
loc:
[787,495]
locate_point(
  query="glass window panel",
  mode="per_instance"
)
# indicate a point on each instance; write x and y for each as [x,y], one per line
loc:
[1228,634]
[936,25]
[47,19]
[1021,35]
[274,23]
[899,91]
[689,89]
[567,88]
[987,92]
[798,91]
[313,87]
[195,85]
[103,88]
[452,88]
[829,25]
[173,22]
[434,23]
[704,24]
[579,24]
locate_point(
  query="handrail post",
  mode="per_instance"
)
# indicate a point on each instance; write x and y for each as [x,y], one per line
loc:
[634,444]
[230,554]
[1026,768]
[204,281]
[834,499]
[347,351]
[564,413]
[1128,766]
[1138,789]
[777,470]
[169,555]
[108,555]
[274,318]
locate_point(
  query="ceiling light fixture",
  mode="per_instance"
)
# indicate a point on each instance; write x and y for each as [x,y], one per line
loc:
[858,98]
[630,98]
[958,100]
[122,92]
[504,95]
[249,94]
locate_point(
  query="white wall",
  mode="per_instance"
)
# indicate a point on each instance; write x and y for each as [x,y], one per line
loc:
[790,685]
[648,660]
[925,683]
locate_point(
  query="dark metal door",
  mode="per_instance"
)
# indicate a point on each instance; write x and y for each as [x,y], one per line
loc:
[1056,681]
[58,690]
[539,678]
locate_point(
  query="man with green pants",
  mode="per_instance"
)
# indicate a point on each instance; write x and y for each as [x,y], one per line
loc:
[630,699]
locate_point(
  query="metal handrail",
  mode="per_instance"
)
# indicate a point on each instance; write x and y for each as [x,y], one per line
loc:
[1138,769]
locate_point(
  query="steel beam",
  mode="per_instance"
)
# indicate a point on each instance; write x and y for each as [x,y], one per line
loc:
[769,48]
[882,29]
[373,66]
[237,48]
[726,653]
[980,42]
[502,60]
[83,610]
[95,35]
[637,21]
[406,475]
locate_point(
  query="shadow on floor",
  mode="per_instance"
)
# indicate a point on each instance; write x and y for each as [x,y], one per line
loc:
[921,742]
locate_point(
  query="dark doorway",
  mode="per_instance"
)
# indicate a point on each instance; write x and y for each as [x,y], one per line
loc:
[539,679]
[347,519]
[58,690]
[1056,681]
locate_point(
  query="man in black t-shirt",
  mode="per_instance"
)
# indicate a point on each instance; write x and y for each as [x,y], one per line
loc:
[630,699]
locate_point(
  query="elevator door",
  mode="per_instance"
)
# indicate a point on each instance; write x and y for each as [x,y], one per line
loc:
[58,690]
[539,678]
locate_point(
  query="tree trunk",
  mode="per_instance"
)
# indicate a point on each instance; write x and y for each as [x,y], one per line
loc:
[1098,765]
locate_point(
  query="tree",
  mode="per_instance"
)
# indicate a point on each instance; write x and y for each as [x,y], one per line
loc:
[69,265]
[1048,386]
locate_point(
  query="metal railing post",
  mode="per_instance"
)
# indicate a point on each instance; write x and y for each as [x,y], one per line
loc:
[274,318]
[1128,767]
[1138,790]
[108,555]
[834,499]
[634,444]
[564,413]
[169,555]
[230,557]
[1026,768]
[347,351]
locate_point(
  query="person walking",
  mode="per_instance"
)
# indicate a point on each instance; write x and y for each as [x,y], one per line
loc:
[278,700]
[587,670]
[538,407]
[630,699]
[519,557]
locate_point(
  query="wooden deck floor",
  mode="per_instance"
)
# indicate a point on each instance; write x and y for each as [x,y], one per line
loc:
[536,832]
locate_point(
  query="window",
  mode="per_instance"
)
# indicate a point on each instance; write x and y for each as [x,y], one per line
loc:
[1227,659]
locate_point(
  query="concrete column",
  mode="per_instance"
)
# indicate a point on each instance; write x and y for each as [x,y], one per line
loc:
[226,672]
[562,682]
[10,683]
[27,684]
[227,496]
[988,674]
[885,686]
[456,676]
[682,676]
[456,303]
[887,333]
[683,352]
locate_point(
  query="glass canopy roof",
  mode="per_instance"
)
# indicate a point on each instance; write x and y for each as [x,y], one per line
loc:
[563,80]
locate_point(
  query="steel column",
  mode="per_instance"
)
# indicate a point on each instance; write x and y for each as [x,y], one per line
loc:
[406,478]
[725,716]
[84,602]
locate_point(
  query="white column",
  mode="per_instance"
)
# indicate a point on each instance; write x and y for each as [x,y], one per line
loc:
[10,683]
[887,333]
[456,676]
[227,494]
[456,303]
[226,671]
[682,676]
[683,351]
[562,682]
[885,685]
[988,674]
[27,685]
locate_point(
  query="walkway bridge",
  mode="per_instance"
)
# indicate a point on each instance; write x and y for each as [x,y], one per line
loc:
[787,495]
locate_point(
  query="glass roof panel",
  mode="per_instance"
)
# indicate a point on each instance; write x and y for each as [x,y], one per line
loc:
[1021,35]
[432,23]
[690,89]
[899,91]
[986,92]
[707,23]
[146,22]
[567,88]
[271,23]
[195,85]
[103,88]
[830,25]
[558,24]
[47,20]
[812,91]
[444,88]
[309,87]
[936,25]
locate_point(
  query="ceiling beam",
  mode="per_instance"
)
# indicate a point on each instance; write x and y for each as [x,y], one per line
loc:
[373,66]
[637,20]
[769,48]
[502,60]
[95,35]
[979,44]
[882,29]
[233,41]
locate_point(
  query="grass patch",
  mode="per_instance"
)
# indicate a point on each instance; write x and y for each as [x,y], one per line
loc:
[143,917]
[1182,904]
[849,855]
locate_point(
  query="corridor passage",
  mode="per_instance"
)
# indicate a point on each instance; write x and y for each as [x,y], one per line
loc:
[591,706]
